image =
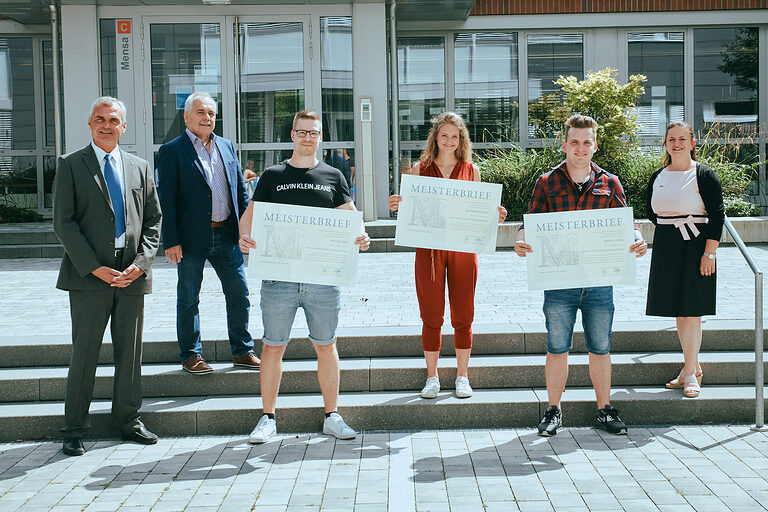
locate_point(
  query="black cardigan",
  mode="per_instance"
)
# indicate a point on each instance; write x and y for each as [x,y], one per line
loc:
[711,193]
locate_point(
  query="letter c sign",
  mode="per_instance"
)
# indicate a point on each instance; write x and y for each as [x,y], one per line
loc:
[123,26]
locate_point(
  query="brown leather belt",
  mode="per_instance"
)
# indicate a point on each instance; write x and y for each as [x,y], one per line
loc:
[218,224]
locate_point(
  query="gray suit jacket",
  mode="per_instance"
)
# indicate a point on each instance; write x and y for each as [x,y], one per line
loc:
[84,220]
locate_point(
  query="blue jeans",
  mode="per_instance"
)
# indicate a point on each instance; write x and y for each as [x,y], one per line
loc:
[227,261]
[280,300]
[596,306]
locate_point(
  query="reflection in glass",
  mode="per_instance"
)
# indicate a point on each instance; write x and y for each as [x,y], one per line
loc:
[17,94]
[421,79]
[271,80]
[18,181]
[487,85]
[660,57]
[550,56]
[186,57]
[336,78]
[344,160]
[108,61]
[49,171]
[725,78]
[48,91]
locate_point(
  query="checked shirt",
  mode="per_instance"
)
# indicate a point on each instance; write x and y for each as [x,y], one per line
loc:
[555,192]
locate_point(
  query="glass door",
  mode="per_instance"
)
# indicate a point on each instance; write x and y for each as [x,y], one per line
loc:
[184,57]
[272,83]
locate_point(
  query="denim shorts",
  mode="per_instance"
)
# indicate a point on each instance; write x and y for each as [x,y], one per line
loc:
[279,302]
[596,306]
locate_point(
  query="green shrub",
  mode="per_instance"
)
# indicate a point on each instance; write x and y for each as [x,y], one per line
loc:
[740,207]
[517,170]
[9,213]
[600,96]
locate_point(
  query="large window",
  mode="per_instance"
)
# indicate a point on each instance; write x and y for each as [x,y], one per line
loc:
[17,94]
[271,80]
[26,122]
[486,84]
[186,57]
[336,78]
[660,57]
[725,81]
[549,56]
[421,77]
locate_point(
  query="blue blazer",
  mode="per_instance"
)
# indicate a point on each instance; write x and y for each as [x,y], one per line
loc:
[185,195]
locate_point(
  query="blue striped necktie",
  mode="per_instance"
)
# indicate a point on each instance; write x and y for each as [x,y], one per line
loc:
[113,184]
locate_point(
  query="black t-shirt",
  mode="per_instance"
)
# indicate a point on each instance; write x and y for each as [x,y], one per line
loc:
[321,186]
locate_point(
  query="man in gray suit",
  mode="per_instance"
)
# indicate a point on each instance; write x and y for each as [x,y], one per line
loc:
[107,216]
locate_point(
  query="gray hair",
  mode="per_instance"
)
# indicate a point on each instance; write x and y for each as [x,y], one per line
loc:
[110,102]
[198,95]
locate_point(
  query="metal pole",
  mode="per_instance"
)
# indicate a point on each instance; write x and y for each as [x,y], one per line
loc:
[395,94]
[238,111]
[759,369]
[56,80]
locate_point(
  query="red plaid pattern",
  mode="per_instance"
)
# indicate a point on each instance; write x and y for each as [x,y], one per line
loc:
[554,192]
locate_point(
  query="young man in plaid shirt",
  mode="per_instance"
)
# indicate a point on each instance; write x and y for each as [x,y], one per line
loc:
[578,184]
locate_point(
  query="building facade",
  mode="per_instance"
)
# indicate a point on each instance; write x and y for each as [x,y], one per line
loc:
[493,61]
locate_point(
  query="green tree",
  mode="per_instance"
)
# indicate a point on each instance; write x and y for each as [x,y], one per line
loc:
[600,96]
[740,60]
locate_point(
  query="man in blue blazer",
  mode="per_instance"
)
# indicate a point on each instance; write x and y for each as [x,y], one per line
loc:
[203,195]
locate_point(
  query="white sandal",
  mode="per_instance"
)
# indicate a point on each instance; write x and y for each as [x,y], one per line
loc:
[692,387]
[677,382]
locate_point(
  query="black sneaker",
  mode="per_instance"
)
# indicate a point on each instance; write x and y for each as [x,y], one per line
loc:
[608,419]
[552,420]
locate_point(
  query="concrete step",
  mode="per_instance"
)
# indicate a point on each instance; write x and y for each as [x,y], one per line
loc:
[41,241]
[392,341]
[492,408]
[11,251]
[381,374]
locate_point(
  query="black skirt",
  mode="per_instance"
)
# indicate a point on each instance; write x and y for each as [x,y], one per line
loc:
[675,284]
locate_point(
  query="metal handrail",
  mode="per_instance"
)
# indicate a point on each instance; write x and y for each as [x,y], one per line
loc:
[759,373]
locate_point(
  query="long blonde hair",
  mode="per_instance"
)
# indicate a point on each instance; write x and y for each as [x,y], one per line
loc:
[674,124]
[463,152]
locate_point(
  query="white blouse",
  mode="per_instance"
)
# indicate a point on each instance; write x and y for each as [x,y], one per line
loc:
[676,193]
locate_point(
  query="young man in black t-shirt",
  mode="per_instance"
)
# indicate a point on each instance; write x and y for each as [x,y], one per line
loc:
[305,181]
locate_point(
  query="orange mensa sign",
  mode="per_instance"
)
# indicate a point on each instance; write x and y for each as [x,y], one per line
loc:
[123,26]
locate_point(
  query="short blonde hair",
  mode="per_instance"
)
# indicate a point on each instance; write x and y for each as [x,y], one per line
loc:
[306,114]
[580,121]
[463,152]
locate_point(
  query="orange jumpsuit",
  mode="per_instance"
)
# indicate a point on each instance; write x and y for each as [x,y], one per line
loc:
[432,267]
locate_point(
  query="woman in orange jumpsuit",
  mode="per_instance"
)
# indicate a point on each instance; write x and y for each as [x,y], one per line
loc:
[448,154]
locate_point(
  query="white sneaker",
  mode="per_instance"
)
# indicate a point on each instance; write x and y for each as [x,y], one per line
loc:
[265,429]
[334,426]
[463,390]
[431,388]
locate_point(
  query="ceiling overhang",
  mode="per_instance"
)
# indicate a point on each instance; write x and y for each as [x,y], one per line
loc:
[33,12]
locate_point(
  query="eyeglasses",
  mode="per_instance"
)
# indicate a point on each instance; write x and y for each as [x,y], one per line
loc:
[313,134]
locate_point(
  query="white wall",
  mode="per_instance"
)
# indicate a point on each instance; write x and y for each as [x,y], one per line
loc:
[79,45]
[369,41]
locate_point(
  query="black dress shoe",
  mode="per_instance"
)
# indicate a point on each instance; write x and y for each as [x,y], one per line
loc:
[141,435]
[73,446]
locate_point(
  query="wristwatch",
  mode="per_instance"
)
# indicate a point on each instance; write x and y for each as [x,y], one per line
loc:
[710,255]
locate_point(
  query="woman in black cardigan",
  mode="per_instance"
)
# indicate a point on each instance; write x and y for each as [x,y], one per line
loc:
[685,202]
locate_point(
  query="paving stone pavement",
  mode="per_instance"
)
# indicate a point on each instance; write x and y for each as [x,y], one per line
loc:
[699,468]
[384,295]
[686,468]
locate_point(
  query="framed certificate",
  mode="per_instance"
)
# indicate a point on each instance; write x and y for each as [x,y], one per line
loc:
[453,215]
[580,249]
[303,244]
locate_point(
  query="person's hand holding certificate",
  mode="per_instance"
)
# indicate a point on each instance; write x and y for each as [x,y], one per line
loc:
[580,248]
[452,215]
[304,244]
